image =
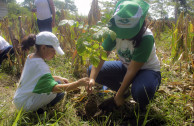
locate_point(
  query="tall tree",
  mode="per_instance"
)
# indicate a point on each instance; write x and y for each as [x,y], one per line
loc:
[186,6]
[159,8]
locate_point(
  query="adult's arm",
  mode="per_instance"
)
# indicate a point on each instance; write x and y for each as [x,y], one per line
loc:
[132,70]
[53,12]
[94,73]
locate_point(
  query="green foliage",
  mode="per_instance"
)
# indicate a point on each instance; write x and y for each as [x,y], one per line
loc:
[182,38]
[17,118]
[88,44]
[15,10]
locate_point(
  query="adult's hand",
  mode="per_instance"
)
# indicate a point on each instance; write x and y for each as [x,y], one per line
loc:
[119,100]
[90,85]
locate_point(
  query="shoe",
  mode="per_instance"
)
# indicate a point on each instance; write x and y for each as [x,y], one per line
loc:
[40,111]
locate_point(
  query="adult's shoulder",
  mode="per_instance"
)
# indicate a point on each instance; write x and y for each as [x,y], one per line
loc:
[148,32]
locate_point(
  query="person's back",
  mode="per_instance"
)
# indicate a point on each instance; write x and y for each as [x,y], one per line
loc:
[45,12]
[30,89]
[37,87]
[43,9]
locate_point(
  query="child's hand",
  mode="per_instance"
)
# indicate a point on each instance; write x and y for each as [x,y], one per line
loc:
[83,81]
[65,80]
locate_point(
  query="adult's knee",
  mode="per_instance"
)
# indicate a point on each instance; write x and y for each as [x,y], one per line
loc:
[142,94]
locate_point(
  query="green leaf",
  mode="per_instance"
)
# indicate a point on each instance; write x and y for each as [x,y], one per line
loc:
[113,35]
[94,60]
[81,48]
[103,55]
[69,22]
[95,46]
[18,117]
[192,34]
[86,43]
[103,34]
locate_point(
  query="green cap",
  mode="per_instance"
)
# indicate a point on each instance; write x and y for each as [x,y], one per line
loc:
[128,18]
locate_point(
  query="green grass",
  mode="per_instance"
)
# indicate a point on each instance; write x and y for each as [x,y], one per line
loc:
[170,107]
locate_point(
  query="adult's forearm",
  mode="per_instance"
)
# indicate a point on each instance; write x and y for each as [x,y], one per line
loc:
[132,70]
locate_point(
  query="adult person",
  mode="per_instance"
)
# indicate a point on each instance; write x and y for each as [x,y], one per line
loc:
[37,88]
[45,12]
[5,49]
[138,63]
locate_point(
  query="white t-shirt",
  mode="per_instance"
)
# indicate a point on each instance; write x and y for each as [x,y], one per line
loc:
[35,86]
[3,44]
[43,9]
[144,53]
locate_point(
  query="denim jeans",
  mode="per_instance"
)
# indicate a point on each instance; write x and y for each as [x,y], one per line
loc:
[3,55]
[144,84]
[45,25]
[57,99]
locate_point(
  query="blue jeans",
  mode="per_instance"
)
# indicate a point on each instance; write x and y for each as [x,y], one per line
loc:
[57,99]
[9,50]
[45,25]
[144,84]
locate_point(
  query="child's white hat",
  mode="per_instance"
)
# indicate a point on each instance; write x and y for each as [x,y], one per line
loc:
[48,38]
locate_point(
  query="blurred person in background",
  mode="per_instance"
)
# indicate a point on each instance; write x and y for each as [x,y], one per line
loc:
[5,49]
[45,12]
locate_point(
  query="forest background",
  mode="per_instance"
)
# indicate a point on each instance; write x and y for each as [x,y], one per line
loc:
[171,21]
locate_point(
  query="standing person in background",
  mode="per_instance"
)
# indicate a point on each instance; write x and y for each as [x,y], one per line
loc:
[5,49]
[45,12]
[138,66]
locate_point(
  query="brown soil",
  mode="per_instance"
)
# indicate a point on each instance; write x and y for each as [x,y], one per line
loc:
[91,105]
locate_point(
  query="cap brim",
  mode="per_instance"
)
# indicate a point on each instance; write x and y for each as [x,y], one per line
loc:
[126,33]
[59,50]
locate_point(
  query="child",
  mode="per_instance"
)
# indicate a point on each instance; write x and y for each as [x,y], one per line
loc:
[37,87]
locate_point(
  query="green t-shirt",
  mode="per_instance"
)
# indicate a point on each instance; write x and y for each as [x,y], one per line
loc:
[144,53]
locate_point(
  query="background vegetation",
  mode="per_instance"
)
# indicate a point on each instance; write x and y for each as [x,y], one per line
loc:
[81,38]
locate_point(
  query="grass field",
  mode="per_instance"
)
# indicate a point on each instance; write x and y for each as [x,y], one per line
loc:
[172,105]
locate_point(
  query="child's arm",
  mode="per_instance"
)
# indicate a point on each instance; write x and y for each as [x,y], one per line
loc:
[70,86]
[61,79]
